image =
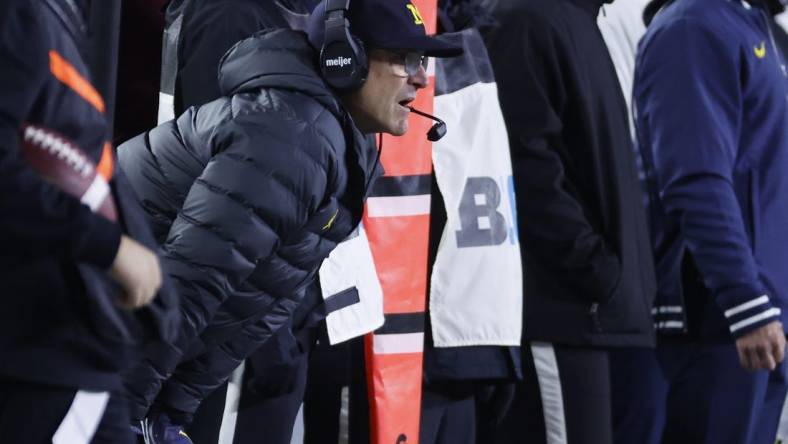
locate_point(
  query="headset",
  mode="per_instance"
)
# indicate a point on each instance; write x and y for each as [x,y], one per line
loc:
[343,61]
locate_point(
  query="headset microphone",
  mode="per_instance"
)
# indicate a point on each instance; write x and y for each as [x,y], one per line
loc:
[437,131]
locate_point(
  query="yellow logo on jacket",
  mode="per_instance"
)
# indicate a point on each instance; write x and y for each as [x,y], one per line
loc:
[331,221]
[415,13]
[760,52]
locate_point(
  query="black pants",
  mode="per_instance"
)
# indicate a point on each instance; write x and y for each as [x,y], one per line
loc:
[176,378]
[687,392]
[270,399]
[37,414]
[448,414]
[336,380]
[265,411]
[564,398]
[259,413]
[272,390]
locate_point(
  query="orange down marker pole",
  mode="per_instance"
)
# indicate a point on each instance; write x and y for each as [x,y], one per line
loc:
[397,221]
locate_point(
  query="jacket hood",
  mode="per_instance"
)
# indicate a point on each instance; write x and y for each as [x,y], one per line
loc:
[281,59]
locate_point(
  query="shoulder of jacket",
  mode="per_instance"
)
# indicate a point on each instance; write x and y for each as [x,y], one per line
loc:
[280,118]
[697,15]
[685,21]
[688,18]
[309,111]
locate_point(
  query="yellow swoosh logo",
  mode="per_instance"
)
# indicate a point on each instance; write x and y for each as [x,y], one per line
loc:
[331,221]
[760,52]
[415,13]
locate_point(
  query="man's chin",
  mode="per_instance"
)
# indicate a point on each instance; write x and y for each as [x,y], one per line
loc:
[393,127]
[399,129]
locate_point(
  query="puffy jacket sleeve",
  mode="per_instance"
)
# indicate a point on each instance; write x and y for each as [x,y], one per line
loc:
[689,101]
[36,219]
[554,228]
[256,191]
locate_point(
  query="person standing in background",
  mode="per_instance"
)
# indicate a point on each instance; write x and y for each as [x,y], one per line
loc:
[199,33]
[587,262]
[711,99]
[76,284]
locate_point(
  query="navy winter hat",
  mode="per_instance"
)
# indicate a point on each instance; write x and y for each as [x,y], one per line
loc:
[384,24]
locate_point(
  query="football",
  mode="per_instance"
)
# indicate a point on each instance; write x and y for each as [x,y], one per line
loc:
[63,164]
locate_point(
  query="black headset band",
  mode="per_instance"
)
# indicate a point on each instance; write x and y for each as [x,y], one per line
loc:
[335,28]
[336,23]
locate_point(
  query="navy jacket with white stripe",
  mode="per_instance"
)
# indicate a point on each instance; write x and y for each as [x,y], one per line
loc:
[59,323]
[711,94]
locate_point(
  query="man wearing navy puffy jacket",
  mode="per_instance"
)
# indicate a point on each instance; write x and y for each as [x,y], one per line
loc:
[711,95]
[249,193]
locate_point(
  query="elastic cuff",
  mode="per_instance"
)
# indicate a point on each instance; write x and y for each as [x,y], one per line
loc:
[750,315]
[100,242]
[669,318]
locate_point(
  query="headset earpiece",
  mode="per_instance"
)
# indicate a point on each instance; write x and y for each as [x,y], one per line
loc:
[343,61]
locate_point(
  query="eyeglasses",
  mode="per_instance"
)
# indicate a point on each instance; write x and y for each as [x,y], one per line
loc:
[411,62]
[406,64]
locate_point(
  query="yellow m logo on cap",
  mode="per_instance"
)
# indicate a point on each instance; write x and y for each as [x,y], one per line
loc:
[416,14]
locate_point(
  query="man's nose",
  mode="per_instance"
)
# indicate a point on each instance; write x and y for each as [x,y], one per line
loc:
[420,79]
